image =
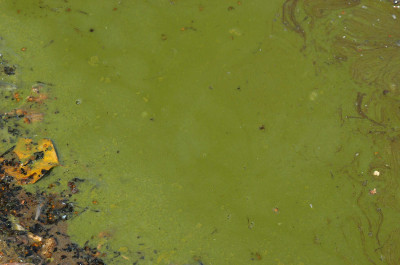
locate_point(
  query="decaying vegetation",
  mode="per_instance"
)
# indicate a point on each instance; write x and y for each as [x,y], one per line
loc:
[33,227]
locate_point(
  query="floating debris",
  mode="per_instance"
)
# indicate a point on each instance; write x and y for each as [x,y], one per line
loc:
[27,162]
[9,70]
[33,231]
[373,191]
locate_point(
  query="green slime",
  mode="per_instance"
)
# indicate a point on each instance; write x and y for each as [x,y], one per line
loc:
[192,121]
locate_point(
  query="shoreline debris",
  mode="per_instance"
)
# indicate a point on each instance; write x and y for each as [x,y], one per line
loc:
[33,228]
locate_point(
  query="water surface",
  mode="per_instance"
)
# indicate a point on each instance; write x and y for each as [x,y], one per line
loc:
[205,134]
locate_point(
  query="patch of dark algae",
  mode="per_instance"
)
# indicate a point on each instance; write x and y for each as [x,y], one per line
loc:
[33,228]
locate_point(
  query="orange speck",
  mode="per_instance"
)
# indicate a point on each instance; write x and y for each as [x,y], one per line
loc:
[68,9]
[183,29]
[372,192]
[17,97]
[376,153]
[342,12]
[115,9]
[389,36]
[18,11]
[94,202]
[239,3]
[276,210]
[23,49]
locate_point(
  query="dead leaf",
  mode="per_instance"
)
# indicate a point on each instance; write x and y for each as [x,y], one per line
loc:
[27,161]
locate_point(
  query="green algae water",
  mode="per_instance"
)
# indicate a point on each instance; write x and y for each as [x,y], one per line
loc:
[207,132]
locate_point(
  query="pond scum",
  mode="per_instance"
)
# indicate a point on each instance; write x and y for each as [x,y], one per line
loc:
[33,227]
[363,37]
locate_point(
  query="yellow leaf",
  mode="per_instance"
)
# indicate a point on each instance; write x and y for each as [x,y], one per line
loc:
[28,161]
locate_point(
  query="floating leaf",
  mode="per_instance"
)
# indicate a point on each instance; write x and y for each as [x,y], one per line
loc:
[27,161]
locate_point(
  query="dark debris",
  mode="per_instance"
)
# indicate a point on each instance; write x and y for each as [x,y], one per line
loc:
[33,228]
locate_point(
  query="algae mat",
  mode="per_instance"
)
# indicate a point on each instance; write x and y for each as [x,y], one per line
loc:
[209,131]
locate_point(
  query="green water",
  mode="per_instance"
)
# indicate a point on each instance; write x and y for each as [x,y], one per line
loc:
[194,121]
